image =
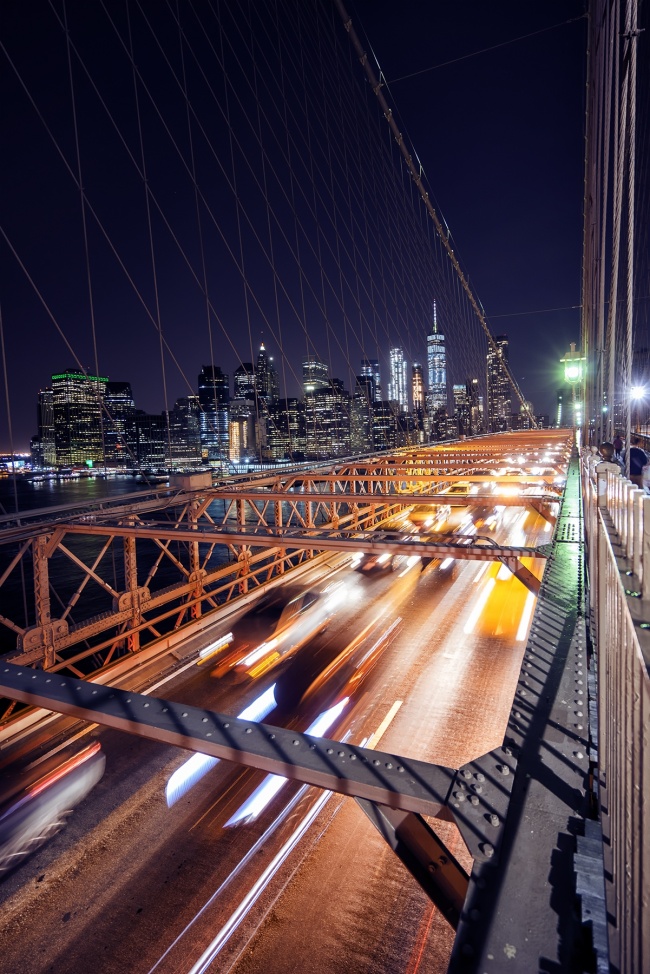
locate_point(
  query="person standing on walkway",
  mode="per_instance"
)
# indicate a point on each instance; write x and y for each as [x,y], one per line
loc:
[638,460]
[619,446]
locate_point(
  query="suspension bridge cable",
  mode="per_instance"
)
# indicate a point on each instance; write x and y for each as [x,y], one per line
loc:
[376,86]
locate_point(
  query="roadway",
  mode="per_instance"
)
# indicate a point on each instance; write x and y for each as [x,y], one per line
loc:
[132,885]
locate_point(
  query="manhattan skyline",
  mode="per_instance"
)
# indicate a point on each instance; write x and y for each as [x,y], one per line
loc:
[339,312]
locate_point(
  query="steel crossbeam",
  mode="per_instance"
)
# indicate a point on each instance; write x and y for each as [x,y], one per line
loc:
[400,789]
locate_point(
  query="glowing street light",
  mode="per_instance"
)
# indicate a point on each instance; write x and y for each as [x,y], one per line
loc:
[573,367]
[637,392]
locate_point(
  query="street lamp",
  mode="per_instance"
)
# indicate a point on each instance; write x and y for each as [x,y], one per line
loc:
[637,395]
[573,375]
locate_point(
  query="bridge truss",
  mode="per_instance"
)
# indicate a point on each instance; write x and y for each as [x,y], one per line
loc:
[162,564]
[507,805]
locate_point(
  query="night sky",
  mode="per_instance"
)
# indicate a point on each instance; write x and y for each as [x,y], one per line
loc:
[501,138]
[499,135]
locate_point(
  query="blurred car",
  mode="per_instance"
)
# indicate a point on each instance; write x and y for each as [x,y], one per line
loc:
[36,800]
[302,617]
[382,561]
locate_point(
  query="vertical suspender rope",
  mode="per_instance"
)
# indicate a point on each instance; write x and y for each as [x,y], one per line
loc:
[150,229]
[631,35]
[408,158]
[84,224]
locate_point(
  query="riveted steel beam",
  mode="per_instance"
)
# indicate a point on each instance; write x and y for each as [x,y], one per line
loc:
[461,547]
[389,779]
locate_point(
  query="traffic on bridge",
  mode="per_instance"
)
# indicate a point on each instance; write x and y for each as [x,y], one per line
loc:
[373,645]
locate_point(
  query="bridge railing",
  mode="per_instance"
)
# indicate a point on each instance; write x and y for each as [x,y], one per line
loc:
[617,529]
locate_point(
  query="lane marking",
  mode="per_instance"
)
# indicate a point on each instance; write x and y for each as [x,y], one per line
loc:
[374,739]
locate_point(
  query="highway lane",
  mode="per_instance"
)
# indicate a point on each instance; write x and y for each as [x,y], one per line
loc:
[147,872]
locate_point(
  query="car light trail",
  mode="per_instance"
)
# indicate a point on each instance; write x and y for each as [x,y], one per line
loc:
[214,648]
[481,572]
[411,561]
[480,605]
[446,563]
[266,792]
[525,617]
[208,956]
[251,854]
[196,767]
[260,651]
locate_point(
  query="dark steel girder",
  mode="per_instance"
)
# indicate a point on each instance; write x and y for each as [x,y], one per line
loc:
[313,538]
[475,796]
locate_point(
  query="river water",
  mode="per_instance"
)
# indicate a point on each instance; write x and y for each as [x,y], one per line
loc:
[16,592]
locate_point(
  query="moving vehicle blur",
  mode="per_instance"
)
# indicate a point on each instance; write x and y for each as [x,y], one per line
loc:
[277,626]
[36,800]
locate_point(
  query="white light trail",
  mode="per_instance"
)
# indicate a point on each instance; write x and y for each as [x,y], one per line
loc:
[215,647]
[202,965]
[446,563]
[480,605]
[410,562]
[261,650]
[481,572]
[196,767]
[525,617]
[268,789]
[209,954]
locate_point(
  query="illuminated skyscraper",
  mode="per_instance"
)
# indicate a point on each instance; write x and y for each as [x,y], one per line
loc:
[185,432]
[417,387]
[244,381]
[499,392]
[120,446]
[77,408]
[314,375]
[476,407]
[45,436]
[214,399]
[370,368]
[436,368]
[462,408]
[397,388]
[266,378]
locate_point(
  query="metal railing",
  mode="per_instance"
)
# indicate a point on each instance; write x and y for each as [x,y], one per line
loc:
[617,529]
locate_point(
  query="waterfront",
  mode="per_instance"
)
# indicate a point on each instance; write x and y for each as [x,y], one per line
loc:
[67,578]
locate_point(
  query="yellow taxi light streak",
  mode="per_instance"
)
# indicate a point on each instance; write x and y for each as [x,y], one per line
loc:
[263,666]
[480,605]
[529,604]
[213,648]
[260,651]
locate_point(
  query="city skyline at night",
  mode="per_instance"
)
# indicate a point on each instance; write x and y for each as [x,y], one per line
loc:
[281,239]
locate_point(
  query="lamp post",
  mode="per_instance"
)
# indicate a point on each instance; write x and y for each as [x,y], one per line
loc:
[637,395]
[573,375]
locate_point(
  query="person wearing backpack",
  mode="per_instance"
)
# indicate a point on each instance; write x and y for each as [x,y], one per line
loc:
[638,460]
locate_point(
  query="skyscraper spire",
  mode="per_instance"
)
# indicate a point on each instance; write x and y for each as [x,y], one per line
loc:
[435,318]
